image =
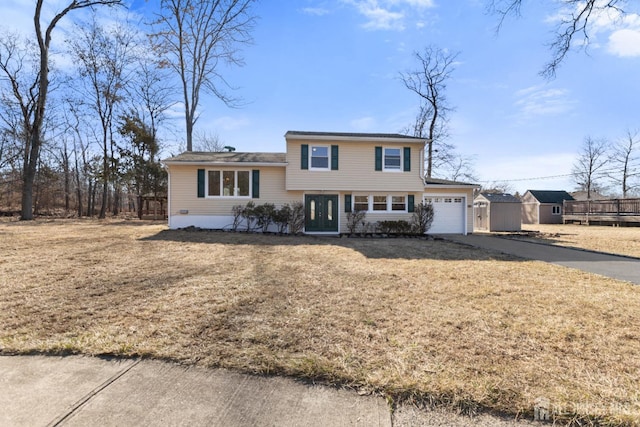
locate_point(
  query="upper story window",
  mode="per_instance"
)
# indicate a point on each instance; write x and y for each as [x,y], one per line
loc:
[319,156]
[392,159]
[229,183]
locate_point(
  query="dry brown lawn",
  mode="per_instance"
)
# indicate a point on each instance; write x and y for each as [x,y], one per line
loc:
[615,240]
[425,321]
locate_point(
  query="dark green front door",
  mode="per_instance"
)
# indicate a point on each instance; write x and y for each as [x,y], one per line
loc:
[321,212]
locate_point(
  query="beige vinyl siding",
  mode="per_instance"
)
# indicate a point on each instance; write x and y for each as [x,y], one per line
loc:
[466,193]
[184,195]
[356,169]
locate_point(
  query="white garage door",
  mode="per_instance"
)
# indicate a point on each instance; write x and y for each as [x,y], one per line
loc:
[448,214]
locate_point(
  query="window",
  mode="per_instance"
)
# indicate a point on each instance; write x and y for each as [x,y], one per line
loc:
[214,183]
[392,159]
[361,203]
[556,210]
[398,203]
[319,157]
[379,203]
[229,183]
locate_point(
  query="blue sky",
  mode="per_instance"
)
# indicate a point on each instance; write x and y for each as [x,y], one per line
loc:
[333,65]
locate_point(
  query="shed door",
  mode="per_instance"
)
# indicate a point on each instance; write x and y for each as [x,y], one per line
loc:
[481,219]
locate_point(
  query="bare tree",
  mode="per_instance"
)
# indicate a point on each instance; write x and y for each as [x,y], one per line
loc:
[33,96]
[151,93]
[589,167]
[197,37]
[577,16]
[102,57]
[429,82]
[498,187]
[208,141]
[626,163]
[459,168]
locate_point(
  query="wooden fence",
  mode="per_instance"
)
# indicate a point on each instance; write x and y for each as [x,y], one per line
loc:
[611,211]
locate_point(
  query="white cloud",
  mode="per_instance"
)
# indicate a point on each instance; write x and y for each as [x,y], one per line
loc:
[625,43]
[623,29]
[539,101]
[389,14]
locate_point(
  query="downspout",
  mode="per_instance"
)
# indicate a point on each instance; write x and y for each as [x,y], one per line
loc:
[168,196]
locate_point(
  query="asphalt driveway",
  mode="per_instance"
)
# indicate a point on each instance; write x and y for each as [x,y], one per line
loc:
[614,266]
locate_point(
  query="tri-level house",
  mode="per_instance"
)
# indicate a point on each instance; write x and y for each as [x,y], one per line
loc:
[332,174]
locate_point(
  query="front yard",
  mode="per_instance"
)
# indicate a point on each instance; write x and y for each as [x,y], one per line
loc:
[615,240]
[426,321]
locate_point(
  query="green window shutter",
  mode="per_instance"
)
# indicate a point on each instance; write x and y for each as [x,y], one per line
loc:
[411,204]
[255,181]
[200,182]
[347,203]
[407,159]
[334,157]
[378,158]
[304,156]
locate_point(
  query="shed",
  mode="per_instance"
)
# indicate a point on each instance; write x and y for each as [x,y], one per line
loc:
[497,212]
[543,206]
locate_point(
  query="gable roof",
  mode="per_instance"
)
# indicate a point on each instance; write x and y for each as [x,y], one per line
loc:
[202,157]
[500,198]
[550,196]
[438,181]
[355,136]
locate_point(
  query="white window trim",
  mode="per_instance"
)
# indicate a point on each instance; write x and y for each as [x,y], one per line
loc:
[389,197]
[393,170]
[235,189]
[311,167]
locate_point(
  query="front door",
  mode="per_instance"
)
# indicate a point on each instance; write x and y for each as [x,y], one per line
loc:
[321,213]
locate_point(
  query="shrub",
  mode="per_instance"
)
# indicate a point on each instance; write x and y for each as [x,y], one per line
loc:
[422,218]
[237,211]
[296,218]
[249,215]
[355,219]
[395,227]
[264,215]
[281,218]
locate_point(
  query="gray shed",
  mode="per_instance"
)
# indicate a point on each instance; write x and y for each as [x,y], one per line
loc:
[543,206]
[497,212]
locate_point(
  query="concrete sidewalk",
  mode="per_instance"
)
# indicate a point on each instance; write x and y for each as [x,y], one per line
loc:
[614,266]
[86,391]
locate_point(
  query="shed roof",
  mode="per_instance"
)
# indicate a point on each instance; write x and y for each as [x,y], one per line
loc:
[500,198]
[550,196]
[227,157]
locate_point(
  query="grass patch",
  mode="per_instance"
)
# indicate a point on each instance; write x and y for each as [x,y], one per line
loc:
[614,240]
[426,321]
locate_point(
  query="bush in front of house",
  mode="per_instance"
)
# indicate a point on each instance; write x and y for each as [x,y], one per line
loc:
[296,218]
[422,218]
[355,220]
[395,227]
[287,217]
[265,215]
